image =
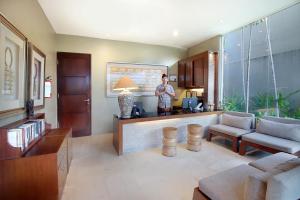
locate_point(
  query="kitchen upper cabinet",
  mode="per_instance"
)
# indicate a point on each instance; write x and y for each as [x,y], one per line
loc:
[200,71]
[181,73]
[189,74]
[193,71]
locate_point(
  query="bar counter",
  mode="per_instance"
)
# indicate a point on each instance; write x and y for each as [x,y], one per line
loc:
[137,134]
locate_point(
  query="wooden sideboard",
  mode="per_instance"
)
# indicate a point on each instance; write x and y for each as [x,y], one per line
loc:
[39,173]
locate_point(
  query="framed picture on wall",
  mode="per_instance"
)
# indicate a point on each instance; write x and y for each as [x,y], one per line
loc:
[36,63]
[12,69]
[172,78]
[146,76]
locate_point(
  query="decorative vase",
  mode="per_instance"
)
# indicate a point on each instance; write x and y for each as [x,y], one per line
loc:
[126,100]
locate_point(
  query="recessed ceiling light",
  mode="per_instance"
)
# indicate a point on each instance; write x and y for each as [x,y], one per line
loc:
[175,33]
[238,44]
[221,21]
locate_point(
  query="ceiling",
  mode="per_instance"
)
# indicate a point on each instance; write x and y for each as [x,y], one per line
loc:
[176,23]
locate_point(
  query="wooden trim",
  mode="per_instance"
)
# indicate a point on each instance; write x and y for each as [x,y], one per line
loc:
[244,144]
[12,112]
[216,89]
[235,140]
[163,117]
[117,135]
[11,27]
[199,195]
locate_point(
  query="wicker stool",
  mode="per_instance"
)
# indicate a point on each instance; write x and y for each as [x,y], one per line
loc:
[169,141]
[195,134]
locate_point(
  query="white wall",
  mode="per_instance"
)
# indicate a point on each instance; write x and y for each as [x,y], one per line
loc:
[29,18]
[104,51]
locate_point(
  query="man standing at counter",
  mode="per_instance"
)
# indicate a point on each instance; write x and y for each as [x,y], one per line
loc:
[164,92]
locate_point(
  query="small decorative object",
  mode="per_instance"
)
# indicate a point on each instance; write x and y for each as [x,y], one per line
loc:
[145,76]
[211,107]
[12,68]
[172,78]
[48,87]
[36,59]
[125,98]
[30,108]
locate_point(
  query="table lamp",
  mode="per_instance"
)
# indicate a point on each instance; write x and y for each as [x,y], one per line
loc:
[125,98]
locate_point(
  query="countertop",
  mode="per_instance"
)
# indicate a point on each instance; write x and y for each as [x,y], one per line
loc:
[151,116]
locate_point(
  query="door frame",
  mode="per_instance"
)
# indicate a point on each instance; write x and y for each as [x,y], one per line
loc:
[58,71]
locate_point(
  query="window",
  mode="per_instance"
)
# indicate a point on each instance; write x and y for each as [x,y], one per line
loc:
[261,66]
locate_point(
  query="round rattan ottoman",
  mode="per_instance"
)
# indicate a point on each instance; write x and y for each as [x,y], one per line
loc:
[169,141]
[195,133]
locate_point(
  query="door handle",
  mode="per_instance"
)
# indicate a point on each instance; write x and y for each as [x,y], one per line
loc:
[87,100]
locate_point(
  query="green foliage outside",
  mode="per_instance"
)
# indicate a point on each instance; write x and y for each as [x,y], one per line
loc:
[264,104]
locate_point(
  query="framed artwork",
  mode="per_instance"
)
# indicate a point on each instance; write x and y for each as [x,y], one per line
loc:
[12,69]
[146,76]
[36,63]
[172,78]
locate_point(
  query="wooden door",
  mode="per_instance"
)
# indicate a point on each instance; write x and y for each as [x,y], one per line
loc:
[181,74]
[74,92]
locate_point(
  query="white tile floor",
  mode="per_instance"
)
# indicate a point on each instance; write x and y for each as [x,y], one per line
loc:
[97,172]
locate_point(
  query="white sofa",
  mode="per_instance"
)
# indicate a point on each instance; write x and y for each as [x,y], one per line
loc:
[274,135]
[267,178]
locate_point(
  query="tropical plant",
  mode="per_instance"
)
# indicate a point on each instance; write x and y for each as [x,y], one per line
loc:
[234,103]
[264,104]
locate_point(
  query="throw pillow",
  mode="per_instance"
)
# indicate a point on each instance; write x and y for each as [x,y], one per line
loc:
[236,121]
[277,129]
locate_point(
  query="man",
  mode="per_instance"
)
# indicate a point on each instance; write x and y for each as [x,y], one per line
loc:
[164,92]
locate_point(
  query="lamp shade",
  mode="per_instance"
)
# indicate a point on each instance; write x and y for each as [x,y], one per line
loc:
[125,83]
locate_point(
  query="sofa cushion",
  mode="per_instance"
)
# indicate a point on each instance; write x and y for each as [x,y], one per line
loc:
[236,121]
[243,114]
[288,165]
[229,130]
[280,144]
[270,162]
[256,186]
[284,186]
[277,129]
[227,185]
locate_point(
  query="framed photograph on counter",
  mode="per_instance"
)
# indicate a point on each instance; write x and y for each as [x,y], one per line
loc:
[36,63]
[146,76]
[12,69]
[172,78]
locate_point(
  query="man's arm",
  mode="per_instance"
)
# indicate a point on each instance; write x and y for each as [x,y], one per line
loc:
[172,92]
[157,92]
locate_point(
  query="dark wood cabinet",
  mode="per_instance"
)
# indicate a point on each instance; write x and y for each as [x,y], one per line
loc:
[181,74]
[200,71]
[40,172]
[193,71]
